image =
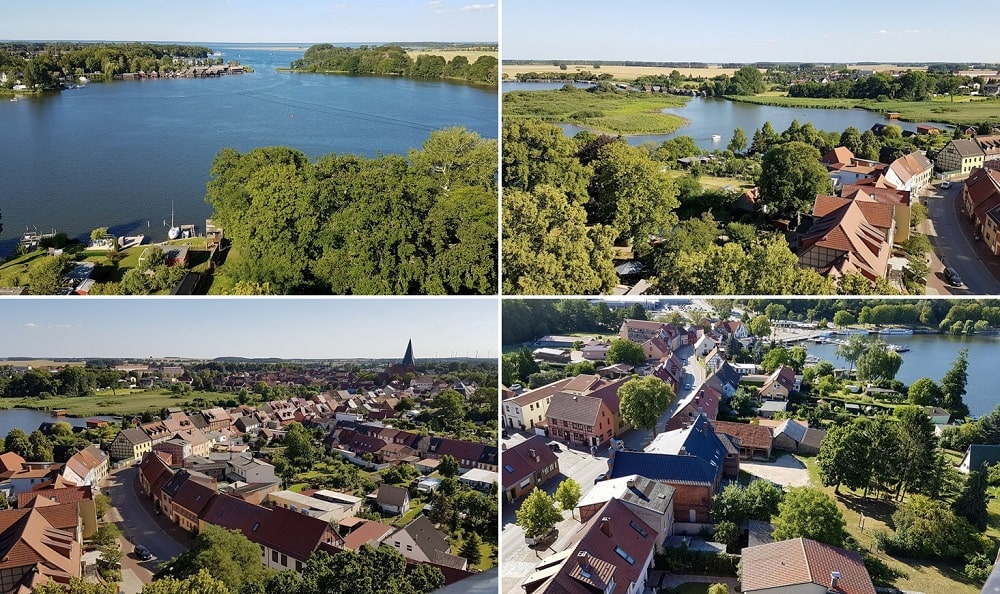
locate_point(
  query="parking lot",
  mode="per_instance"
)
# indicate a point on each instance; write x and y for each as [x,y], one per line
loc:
[786,471]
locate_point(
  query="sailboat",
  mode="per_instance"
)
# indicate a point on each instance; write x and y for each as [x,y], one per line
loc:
[174,232]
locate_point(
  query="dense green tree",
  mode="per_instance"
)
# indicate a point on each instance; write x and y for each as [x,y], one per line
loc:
[748,80]
[759,326]
[538,514]
[17,442]
[924,392]
[622,350]
[878,364]
[45,274]
[763,139]
[927,528]
[737,503]
[536,154]
[840,452]
[870,146]
[199,583]
[470,549]
[567,494]
[851,139]
[42,449]
[917,455]
[738,142]
[971,501]
[791,177]
[643,400]
[107,533]
[728,533]
[853,349]
[226,555]
[809,513]
[549,249]
[299,449]
[630,194]
[450,405]
[953,385]
[448,466]
[843,318]
[76,586]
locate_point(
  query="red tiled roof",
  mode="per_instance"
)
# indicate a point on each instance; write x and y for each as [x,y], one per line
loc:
[803,561]
[751,436]
[522,464]
[369,532]
[70,495]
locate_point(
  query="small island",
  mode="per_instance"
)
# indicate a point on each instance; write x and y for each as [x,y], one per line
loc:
[395,60]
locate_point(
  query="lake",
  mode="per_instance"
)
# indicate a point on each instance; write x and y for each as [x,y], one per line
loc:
[119,154]
[28,420]
[931,355]
[710,116]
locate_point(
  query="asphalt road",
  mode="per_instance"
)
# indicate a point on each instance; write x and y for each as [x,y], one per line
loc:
[951,237]
[134,515]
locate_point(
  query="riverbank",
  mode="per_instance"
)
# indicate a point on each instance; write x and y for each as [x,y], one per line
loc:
[611,112]
[121,403]
[962,112]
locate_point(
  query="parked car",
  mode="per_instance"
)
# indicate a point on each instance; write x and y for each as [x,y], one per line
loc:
[143,553]
[951,275]
[945,185]
[600,477]
[555,447]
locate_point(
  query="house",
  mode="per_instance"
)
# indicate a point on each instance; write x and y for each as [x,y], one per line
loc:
[653,502]
[797,436]
[706,343]
[527,410]
[559,356]
[714,359]
[671,371]
[287,539]
[526,466]
[990,145]
[586,419]
[88,467]
[614,553]
[725,380]
[937,415]
[80,497]
[705,401]
[656,348]
[248,469]
[900,201]
[187,504]
[130,444]
[910,172]
[316,507]
[639,331]
[768,408]
[392,499]
[960,157]
[848,236]
[482,480]
[779,384]
[563,342]
[927,129]
[977,455]
[357,532]
[36,552]
[754,441]
[597,351]
[981,198]
[420,541]
[801,565]
[699,439]
[732,329]
[837,158]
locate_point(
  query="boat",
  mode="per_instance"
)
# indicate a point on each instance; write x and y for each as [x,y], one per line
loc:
[716,138]
[900,348]
[174,232]
[903,331]
[84,79]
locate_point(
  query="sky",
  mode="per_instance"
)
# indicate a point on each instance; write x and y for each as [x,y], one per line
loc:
[746,31]
[249,21]
[287,328]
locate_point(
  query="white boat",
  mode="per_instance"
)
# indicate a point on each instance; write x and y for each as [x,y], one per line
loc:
[716,138]
[174,232]
[904,331]
[84,79]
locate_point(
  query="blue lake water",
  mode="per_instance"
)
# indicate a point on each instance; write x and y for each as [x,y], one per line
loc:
[710,116]
[118,154]
[931,355]
[29,420]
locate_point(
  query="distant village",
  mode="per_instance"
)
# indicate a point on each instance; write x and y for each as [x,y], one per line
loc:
[223,466]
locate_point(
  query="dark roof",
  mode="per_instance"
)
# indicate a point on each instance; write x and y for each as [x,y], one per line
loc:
[982,454]
[193,496]
[724,375]
[663,467]
[966,147]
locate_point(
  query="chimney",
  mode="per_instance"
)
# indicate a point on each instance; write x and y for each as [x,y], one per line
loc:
[834,580]
[606,526]
[631,483]
[581,558]
[533,454]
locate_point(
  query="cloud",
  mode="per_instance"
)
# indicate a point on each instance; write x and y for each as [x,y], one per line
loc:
[31,325]
[435,3]
[472,7]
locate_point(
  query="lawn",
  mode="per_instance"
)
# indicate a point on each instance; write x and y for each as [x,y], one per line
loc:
[616,113]
[124,402]
[962,111]
[921,575]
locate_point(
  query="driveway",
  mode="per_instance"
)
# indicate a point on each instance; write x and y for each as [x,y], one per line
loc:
[785,471]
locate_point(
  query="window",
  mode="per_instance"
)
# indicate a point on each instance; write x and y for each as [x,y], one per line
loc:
[298,565]
[525,482]
[409,548]
[621,553]
[642,531]
[274,556]
[284,560]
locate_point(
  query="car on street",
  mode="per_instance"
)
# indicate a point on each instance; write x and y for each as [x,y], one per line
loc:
[689,385]
[143,553]
[555,447]
[945,185]
[951,275]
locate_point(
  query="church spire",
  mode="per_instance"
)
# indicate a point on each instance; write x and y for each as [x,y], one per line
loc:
[408,356]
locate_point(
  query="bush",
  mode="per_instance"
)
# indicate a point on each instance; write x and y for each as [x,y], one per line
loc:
[979,567]
[684,560]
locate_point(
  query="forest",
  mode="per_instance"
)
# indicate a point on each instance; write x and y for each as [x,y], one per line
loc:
[394,60]
[424,223]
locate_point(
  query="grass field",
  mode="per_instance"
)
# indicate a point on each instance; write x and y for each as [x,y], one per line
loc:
[964,110]
[922,575]
[617,113]
[124,402]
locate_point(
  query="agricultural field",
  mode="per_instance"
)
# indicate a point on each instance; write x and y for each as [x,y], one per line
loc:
[448,55]
[122,402]
[623,73]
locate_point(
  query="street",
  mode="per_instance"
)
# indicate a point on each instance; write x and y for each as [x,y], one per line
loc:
[133,513]
[519,560]
[951,237]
